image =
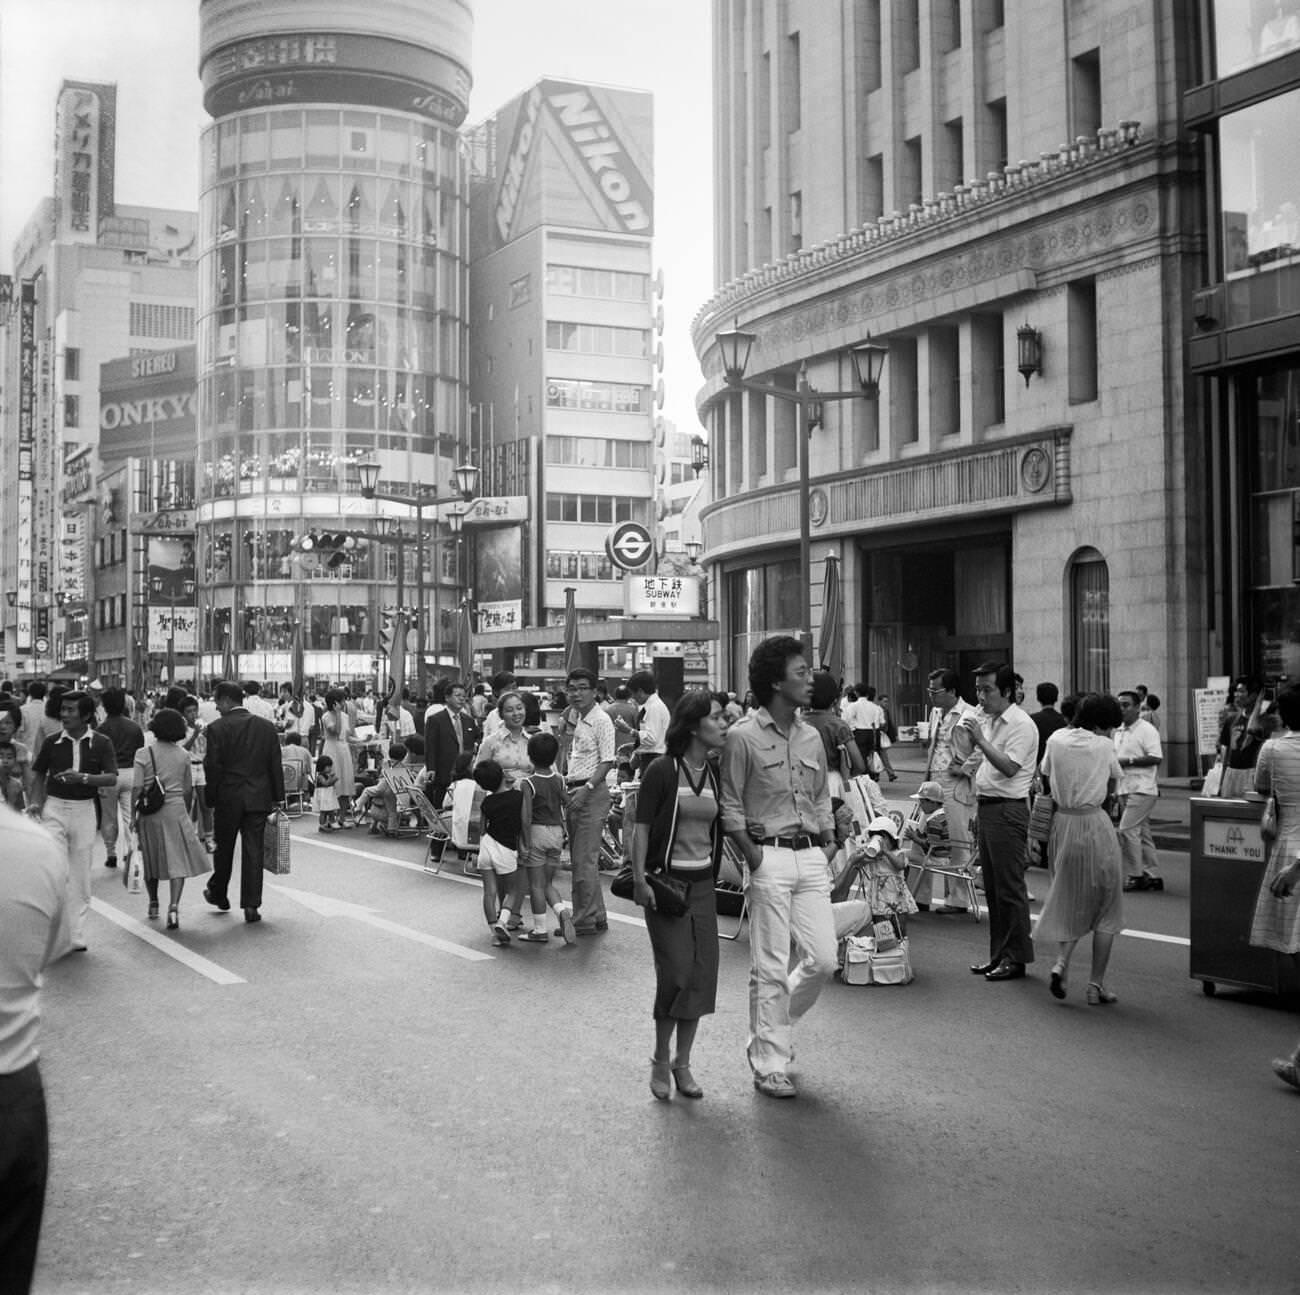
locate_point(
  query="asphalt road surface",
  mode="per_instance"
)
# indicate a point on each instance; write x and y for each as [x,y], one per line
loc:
[361,1094]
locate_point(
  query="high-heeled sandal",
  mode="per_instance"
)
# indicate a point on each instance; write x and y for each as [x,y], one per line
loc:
[1097,994]
[1287,1070]
[173,918]
[685,1081]
[1058,980]
[660,1088]
[153,908]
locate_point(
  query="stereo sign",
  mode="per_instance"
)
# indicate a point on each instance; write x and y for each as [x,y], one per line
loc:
[629,545]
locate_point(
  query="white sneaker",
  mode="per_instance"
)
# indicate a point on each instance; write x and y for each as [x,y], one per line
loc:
[775,1085]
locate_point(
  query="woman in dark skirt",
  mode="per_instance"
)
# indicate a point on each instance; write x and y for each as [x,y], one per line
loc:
[678,832]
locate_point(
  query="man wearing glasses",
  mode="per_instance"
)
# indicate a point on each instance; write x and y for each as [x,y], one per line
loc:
[591,756]
[1007,739]
[951,762]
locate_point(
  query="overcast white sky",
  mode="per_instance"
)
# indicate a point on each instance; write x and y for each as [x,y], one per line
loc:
[150,48]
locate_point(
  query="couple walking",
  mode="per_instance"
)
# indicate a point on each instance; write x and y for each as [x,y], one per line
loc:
[770,797]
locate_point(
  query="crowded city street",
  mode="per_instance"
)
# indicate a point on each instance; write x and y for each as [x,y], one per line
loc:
[362,1093]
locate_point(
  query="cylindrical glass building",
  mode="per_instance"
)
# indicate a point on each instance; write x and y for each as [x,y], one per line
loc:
[331,320]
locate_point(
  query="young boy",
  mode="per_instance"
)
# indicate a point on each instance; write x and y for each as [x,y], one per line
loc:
[542,835]
[498,851]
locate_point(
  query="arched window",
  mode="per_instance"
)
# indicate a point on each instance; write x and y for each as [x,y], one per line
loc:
[1090,621]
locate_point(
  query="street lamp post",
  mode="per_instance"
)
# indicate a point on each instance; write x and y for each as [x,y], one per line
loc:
[466,476]
[868,363]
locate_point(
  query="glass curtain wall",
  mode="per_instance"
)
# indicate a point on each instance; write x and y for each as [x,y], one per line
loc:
[331,330]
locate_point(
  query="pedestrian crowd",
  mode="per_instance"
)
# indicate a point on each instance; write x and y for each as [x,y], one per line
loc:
[763,785]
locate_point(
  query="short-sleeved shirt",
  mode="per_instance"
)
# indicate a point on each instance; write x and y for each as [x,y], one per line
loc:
[1080,765]
[592,743]
[510,752]
[1013,735]
[501,817]
[1136,741]
[126,736]
[91,753]
[32,887]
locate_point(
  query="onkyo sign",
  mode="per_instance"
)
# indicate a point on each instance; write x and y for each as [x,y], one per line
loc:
[629,545]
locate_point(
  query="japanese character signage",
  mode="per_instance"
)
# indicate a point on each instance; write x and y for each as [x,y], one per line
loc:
[662,595]
[180,624]
[506,615]
[84,158]
[496,510]
[26,459]
[167,521]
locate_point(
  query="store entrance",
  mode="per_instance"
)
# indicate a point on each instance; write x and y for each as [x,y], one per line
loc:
[931,604]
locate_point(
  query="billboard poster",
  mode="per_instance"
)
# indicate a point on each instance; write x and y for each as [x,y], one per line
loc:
[170,562]
[186,629]
[498,564]
[577,155]
[508,615]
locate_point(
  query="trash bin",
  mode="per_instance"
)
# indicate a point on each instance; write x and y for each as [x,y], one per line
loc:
[1227,866]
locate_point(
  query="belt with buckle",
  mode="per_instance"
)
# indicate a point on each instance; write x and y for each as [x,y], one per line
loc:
[576,782]
[999,800]
[791,842]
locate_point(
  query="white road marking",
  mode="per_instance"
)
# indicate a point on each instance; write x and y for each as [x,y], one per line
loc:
[443,876]
[1154,936]
[172,948]
[327,906]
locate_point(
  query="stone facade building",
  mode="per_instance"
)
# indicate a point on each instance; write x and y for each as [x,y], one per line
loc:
[987,198]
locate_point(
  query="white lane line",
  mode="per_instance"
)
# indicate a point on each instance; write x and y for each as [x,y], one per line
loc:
[173,949]
[1154,936]
[443,876]
[327,906]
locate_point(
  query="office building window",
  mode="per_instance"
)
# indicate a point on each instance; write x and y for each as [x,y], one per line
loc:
[1085,107]
[599,509]
[1082,308]
[1090,621]
[72,411]
[598,452]
[173,323]
[72,363]
[607,397]
[597,339]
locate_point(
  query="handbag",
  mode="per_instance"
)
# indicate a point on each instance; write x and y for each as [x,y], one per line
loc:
[275,844]
[1213,780]
[669,892]
[1040,817]
[153,794]
[1268,823]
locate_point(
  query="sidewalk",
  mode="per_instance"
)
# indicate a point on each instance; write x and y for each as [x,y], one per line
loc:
[1171,820]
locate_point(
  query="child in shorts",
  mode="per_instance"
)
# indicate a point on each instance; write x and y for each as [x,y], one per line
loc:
[542,835]
[498,849]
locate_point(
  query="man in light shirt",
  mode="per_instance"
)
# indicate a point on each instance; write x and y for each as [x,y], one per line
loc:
[866,719]
[1007,739]
[1137,747]
[776,810]
[32,887]
[952,764]
[591,757]
[255,703]
[652,718]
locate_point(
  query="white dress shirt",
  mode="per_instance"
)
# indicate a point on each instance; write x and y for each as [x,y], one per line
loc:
[1014,735]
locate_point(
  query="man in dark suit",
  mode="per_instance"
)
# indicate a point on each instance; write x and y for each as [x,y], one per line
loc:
[245,781]
[447,735]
